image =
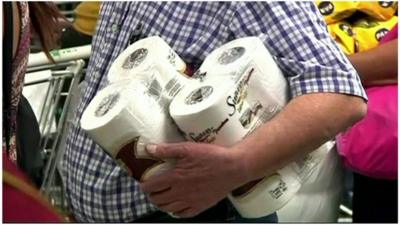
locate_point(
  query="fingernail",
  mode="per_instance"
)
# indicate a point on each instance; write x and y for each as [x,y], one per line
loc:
[151,149]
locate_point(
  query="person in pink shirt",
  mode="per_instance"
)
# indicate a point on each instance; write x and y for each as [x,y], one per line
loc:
[375,181]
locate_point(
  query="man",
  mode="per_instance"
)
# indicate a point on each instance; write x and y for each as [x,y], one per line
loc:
[326,91]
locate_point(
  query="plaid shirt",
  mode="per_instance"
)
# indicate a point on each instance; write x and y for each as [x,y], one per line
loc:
[294,33]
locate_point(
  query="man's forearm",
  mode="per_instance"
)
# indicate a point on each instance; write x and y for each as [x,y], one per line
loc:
[305,123]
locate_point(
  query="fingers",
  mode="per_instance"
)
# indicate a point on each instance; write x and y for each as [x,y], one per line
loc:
[175,207]
[168,202]
[163,198]
[164,151]
[156,184]
[187,213]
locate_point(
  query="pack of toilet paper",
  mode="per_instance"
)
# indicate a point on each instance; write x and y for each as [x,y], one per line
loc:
[319,197]
[217,111]
[238,88]
[133,110]
[141,56]
[243,56]
[125,116]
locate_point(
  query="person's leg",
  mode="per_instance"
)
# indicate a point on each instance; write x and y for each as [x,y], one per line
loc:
[374,200]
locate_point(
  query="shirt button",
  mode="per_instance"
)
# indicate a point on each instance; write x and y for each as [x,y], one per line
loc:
[96,73]
[114,28]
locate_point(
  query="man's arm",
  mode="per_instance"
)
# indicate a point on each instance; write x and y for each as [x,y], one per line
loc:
[377,65]
[304,124]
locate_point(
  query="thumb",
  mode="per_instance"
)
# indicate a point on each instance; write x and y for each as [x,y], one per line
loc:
[164,151]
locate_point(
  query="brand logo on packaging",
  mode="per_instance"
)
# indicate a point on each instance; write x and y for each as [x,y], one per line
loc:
[381,33]
[326,8]
[200,75]
[231,55]
[198,95]
[236,101]
[208,135]
[106,104]
[249,114]
[135,59]
[385,4]
[347,29]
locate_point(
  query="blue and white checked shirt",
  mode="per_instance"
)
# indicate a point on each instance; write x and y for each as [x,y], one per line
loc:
[294,33]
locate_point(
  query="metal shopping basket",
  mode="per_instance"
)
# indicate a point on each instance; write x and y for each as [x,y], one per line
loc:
[50,88]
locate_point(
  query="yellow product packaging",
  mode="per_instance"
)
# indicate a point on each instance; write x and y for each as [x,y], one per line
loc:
[344,36]
[380,10]
[370,31]
[334,11]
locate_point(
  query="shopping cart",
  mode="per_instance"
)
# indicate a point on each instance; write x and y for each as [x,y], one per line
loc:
[50,88]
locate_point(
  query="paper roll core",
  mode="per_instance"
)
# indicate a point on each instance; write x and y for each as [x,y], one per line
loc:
[244,189]
[136,166]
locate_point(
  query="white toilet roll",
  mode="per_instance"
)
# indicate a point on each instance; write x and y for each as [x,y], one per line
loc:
[217,110]
[319,197]
[284,185]
[125,116]
[241,56]
[141,56]
[268,195]
[238,88]
[202,114]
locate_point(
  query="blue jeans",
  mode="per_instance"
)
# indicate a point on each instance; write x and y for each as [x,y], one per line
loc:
[223,212]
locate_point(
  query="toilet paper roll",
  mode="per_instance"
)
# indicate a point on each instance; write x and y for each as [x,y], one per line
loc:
[141,56]
[162,82]
[241,56]
[267,195]
[280,188]
[217,110]
[125,116]
[238,88]
[319,197]
[305,166]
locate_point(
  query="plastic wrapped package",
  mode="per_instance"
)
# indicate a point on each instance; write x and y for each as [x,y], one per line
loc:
[380,10]
[344,36]
[318,199]
[370,31]
[125,116]
[336,11]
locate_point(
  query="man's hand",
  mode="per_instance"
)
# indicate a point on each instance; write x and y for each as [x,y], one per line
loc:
[203,175]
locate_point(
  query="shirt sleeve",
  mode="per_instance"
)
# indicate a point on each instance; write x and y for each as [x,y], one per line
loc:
[297,37]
